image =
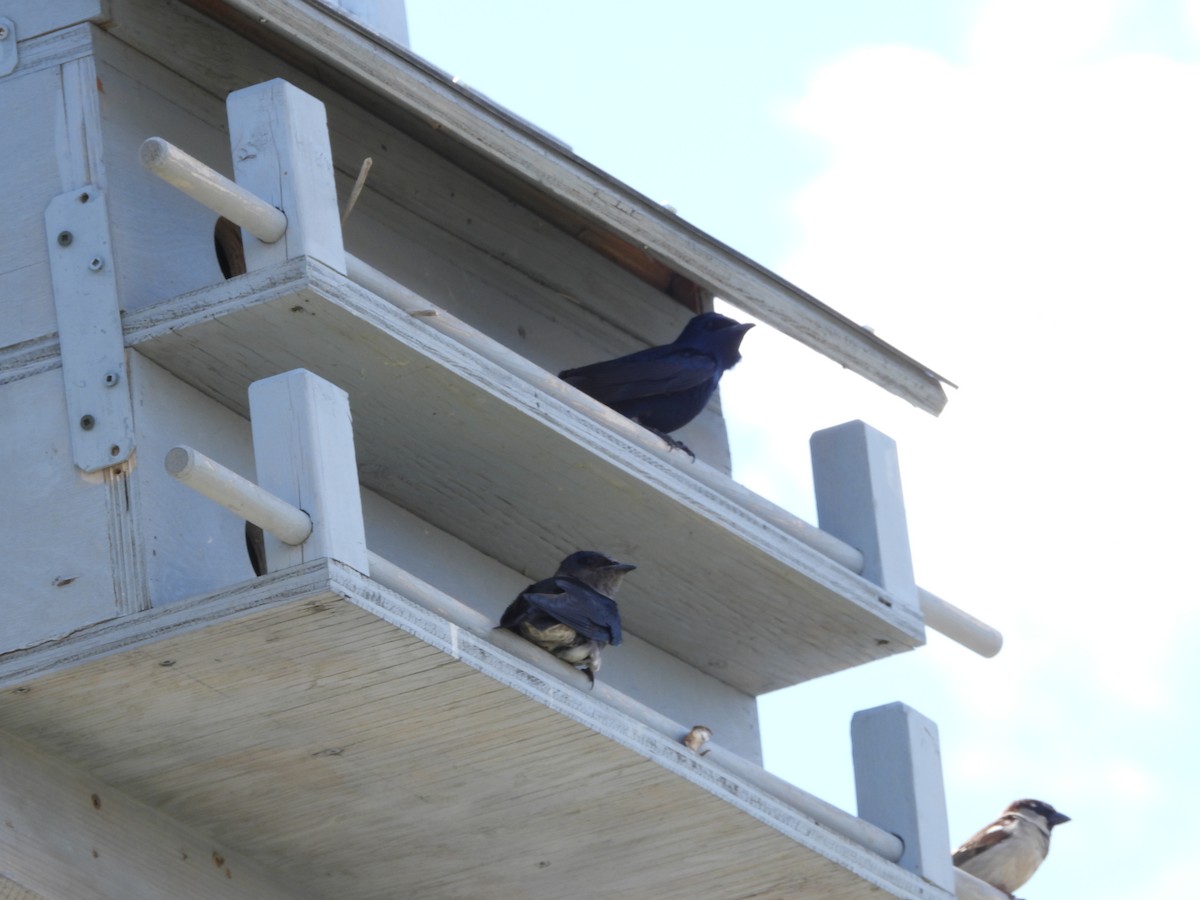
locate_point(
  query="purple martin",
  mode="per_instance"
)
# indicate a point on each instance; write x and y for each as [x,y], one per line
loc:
[572,615]
[664,388]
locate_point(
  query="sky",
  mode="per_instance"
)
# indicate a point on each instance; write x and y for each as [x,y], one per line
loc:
[1007,191]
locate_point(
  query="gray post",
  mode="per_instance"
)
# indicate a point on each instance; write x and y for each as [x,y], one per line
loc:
[856,474]
[280,143]
[898,780]
[304,455]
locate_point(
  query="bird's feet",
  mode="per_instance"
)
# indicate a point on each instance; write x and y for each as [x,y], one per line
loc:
[673,444]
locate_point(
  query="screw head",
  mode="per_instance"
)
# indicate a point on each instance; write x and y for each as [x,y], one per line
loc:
[65,238]
[96,264]
[111,379]
[87,423]
[3,32]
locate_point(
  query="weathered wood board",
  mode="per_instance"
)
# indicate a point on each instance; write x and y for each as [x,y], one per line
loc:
[322,741]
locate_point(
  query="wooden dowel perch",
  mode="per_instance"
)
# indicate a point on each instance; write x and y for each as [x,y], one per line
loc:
[213,189]
[239,495]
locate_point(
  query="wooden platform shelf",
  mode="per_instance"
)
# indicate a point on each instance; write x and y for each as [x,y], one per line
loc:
[334,731]
[718,587]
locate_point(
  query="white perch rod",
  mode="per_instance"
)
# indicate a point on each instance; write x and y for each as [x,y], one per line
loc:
[939,615]
[239,495]
[959,625]
[213,189]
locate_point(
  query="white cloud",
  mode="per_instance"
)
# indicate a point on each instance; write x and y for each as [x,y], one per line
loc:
[1025,222]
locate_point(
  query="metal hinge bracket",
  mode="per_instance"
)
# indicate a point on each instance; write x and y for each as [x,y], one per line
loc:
[8,46]
[89,329]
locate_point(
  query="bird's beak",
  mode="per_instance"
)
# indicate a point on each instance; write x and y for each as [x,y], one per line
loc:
[742,327]
[1058,818]
[621,567]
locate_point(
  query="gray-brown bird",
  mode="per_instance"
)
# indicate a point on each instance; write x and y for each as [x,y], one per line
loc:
[572,614]
[1006,853]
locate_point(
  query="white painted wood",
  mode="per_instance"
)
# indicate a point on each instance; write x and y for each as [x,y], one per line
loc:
[89,328]
[481,128]
[239,495]
[191,545]
[126,543]
[898,781]
[34,99]
[409,735]
[438,429]
[532,285]
[47,155]
[959,625]
[58,570]
[280,143]
[36,17]
[304,454]
[386,18]
[856,477]
[391,290]
[214,190]
[80,144]
[8,46]
[67,834]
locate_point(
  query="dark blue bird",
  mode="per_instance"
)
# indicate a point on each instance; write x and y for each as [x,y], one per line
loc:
[572,615]
[664,388]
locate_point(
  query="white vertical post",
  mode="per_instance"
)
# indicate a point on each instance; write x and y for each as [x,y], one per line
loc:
[856,473]
[304,454]
[386,17]
[281,152]
[898,780]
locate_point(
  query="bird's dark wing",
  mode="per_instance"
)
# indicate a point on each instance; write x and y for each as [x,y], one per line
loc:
[647,373]
[994,834]
[573,603]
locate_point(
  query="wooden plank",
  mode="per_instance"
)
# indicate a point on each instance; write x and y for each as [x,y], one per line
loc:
[505,142]
[504,466]
[67,834]
[452,771]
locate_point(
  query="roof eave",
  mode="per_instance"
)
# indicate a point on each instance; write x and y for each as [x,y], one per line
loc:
[507,143]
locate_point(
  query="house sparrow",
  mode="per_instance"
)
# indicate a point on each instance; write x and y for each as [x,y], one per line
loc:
[1006,853]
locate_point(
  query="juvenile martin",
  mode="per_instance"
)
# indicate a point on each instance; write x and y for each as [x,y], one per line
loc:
[572,614]
[664,388]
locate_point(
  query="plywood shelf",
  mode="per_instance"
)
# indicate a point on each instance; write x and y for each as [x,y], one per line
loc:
[511,470]
[333,730]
